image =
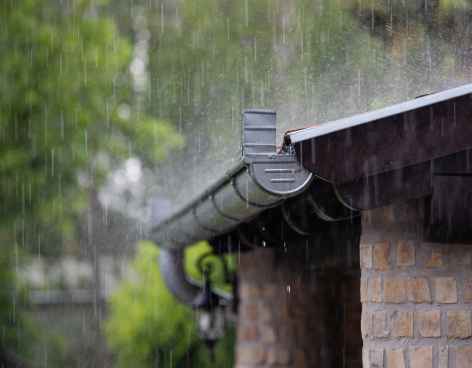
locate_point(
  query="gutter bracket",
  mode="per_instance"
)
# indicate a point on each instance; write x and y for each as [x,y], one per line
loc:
[279,173]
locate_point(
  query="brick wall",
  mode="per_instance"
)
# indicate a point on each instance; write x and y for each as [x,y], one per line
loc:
[417,296]
[298,310]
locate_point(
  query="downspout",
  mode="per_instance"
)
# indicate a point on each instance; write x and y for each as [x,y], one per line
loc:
[171,264]
[261,180]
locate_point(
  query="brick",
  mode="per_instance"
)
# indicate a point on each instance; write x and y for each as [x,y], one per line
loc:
[373,358]
[464,357]
[405,254]
[395,290]
[421,357]
[395,358]
[468,291]
[251,354]
[249,311]
[366,256]
[269,291]
[428,323]
[248,332]
[366,323]
[375,289]
[364,289]
[278,355]
[389,214]
[443,361]
[459,324]
[380,324]
[267,333]
[418,290]
[436,259]
[247,291]
[445,289]
[265,312]
[381,256]
[402,324]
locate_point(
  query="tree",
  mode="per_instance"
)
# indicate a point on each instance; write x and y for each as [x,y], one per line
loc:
[67,117]
[66,104]
[148,327]
[15,327]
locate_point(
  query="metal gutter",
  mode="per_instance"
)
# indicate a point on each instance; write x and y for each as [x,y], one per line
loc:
[262,179]
[360,119]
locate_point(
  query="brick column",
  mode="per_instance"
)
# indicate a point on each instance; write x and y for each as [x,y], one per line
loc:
[300,310]
[417,296]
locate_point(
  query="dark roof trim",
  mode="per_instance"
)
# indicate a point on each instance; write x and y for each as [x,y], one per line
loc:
[388,140]
[350,122]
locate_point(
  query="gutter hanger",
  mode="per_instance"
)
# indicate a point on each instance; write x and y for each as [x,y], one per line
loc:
[262,179]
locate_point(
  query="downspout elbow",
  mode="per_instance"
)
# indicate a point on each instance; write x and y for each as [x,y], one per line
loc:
[171,264]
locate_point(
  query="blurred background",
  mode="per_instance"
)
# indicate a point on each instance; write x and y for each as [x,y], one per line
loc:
[106,104]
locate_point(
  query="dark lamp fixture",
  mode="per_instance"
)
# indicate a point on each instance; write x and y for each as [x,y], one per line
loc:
[210,314]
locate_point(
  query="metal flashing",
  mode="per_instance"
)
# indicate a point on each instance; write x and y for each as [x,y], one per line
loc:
[400,108]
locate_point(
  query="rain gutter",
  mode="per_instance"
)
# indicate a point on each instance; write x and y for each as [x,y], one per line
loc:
[263,178]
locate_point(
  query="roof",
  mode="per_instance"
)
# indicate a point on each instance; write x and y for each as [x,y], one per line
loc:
[405,139]
[301,135]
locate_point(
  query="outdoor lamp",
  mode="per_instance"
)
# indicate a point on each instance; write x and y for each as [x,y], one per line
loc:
[211,325]
[210,315]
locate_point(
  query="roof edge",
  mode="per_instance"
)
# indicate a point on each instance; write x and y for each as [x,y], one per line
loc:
[260,180]
[367,117]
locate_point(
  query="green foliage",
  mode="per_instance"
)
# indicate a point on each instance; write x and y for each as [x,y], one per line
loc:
[19,330]
[145,318]
[63,78]
[11,299]
[448,5]
[147,325]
